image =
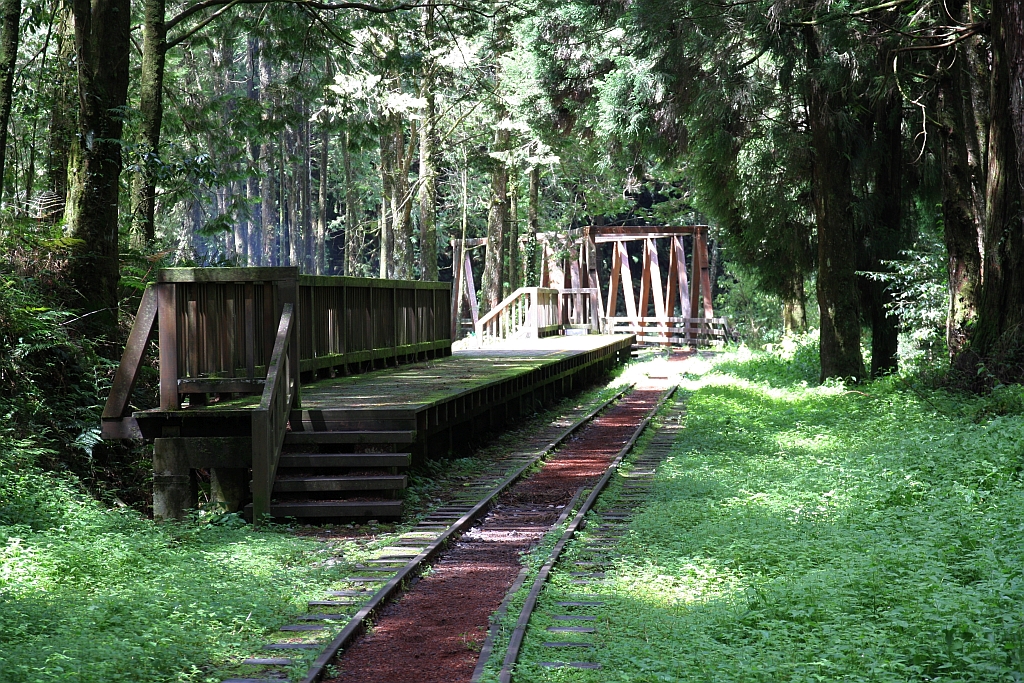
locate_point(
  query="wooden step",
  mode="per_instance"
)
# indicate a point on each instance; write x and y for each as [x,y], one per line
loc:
[288,484]
[315,460]
[370,509]
[352,436]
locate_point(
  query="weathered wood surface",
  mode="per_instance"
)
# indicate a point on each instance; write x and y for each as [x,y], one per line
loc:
[270,418]
[417,386]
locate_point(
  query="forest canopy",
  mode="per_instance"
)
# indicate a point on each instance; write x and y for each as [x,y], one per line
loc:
[862,156]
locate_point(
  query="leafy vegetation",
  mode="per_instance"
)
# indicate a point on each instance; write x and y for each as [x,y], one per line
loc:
[816,533]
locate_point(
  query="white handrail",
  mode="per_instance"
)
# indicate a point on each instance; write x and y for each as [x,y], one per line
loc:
[527,313]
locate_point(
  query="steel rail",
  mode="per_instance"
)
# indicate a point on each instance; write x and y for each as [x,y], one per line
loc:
[516,640]
[393,587]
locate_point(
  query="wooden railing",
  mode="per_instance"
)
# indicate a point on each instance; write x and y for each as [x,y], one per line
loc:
[217,330]
[270,419]
[670,330]
[527,313]
[581,307]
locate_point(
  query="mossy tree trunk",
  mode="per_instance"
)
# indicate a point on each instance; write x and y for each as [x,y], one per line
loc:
[998,335]
[151,112]
[837,281]
[10,29]
[497,224]
[101,46]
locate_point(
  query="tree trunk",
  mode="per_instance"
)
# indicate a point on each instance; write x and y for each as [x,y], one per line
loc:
[101,46]
[886,235]
[837,281]
[151,112]
[428,192]
[320,253]
[513,233]
[794,306]
[10,30]
[530,276]
[402,201]
[999,332]
[351,238]
[962,219]
[268,211]
[428,161]
[62,116]
[497,225]
[387,191]
[252,186]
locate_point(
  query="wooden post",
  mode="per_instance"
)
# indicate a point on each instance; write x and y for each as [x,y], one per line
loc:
[457,276]
[627,284]
[705,272]
[474,305]
[645,283]
[168,341]
[655,280]
[593,279]
[613,281]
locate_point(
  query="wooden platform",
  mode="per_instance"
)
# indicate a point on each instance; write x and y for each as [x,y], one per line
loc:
[351,436]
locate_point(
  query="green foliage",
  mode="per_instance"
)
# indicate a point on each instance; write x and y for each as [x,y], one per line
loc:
[811,533]
[89,593]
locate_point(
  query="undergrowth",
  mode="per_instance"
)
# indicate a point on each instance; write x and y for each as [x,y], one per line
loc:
[815,533]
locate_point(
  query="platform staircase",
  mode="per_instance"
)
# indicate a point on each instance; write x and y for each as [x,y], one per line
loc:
[342,465]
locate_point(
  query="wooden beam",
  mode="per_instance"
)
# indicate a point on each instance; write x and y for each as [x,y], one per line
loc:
[645,282]
[655,280]
[131,360]
[705,272]
[470,290]
[627,283]
[613,281]
[459,281]
[167,324]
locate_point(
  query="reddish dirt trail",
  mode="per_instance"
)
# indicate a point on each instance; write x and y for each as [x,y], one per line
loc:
[433,633]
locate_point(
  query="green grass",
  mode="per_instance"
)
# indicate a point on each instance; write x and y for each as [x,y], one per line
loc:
[802,533]
[96,594]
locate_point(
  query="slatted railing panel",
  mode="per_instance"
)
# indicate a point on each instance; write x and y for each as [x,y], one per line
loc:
[211,329]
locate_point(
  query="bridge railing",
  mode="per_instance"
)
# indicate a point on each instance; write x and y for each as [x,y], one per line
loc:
[527,313]
[670,329]
[217,329]
[580,307]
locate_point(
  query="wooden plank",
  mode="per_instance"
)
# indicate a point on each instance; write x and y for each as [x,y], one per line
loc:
[642,231]
[168,344]
[627,283]
[131,360]
[613,282]
[457,284]
[248,274]
[645,281]
[705,272]
[656,290]
[470,291]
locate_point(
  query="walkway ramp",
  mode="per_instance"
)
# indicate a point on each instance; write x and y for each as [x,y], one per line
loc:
[338,443]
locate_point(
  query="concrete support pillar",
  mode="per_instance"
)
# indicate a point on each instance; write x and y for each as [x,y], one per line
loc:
[174,484]
[229,487]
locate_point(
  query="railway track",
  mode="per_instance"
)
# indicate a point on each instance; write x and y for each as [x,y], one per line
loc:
[610,525]
[383,578]
[488,505]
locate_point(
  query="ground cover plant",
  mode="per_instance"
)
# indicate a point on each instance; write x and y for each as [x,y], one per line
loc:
[809,533]
[90,592]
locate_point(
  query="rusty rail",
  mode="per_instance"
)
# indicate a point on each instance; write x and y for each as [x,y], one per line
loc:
[516,640]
